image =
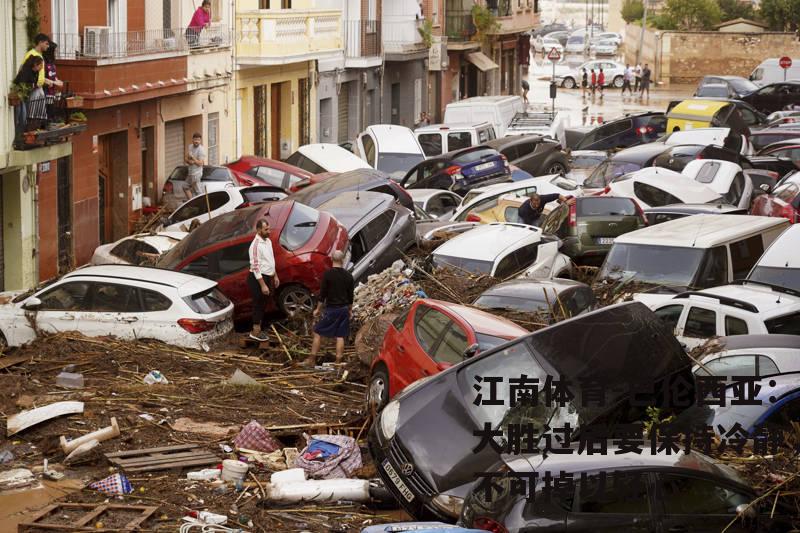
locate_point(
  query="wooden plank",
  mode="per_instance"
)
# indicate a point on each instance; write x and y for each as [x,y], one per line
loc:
[167,466]
[88,517]
[152,450]
[6,362]
[95,510]
[129,463]
[147,512]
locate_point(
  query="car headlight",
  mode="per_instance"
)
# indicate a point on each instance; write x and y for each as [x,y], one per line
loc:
[450,505]
[389,417]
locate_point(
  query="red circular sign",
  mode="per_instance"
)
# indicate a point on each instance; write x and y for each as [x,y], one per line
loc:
[785,62]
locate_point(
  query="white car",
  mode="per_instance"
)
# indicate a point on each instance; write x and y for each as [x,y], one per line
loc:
[136,249]
[325,157]
[609,36]
[389,148]
[751,355]
[504,251]
[436,203]
[544,44]
[706,136]
[207,206]
[604,48]
[612,70]
[214,179]
[726,178]
[127,302]
[743,309]
[656,186]
[780,264]
[575,44]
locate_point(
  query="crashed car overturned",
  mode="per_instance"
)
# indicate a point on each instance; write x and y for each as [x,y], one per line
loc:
[423,440]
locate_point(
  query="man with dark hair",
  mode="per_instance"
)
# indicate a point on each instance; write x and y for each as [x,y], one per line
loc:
[530,212]
[40,45]
[336,295]
[195,159]
[263,279]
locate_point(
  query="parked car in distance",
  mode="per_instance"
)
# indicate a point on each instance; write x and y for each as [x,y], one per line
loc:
[380,230]
[655,186]
[207,206]
[557,297]
[665,213]
[751,117]
[750,355]
[431,336]
[389,148]
[543,45]
[128,302]
[548,29]
[613,71]
[459,171]
[303,240]
[780,264]
[140,249]
[534,154]
[436,203]
[575,44]
[263,171]
[438,139]
[605,47]
[783,202]
[213,179]
[714,90]
[325,157]
[611,36]
[367,179]
[631,130]
[737,86]
[770,71]
[496,110]
[588,227]
[775,96]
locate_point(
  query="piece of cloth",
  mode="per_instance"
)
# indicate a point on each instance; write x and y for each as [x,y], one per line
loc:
[262,257]
[255,437]
[530,216]
[41,76]
[335,322]
[50,74]
[601,79]
[336,287]
[199,153]
[114,484]
[321,449]
[199,19]
[594,78]
[259,298]
[340,465]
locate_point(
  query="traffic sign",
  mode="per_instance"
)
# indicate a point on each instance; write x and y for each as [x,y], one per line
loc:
[555,55]
[785,62]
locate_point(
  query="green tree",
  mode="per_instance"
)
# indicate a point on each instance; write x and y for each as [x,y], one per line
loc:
[735,9]
[692,14]
[781,15]
[632,10]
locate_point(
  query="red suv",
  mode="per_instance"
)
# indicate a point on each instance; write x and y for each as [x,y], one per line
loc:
[253,170]
[430,337]
[303,240]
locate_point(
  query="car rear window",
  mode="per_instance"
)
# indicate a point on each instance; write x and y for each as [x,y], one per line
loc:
[216,174]
[300,226]
[606,206]
[784,325]
[532,305]
[607,172]
[788,278]
[474,155]
[207,302]
[258,194]
[468,265]
[654,196]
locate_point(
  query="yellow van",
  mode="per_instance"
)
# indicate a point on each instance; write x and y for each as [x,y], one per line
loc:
[696,113]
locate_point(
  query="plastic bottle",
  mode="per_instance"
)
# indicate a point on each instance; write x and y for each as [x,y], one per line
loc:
[205,474]
[209,518]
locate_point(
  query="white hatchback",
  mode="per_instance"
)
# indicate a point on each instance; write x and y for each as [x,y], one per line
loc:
[126,302]
[207,206]
[136,249]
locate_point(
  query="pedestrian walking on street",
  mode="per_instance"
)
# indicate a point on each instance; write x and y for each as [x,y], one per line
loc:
[335,303]
[530,212]
[638,76]
[626,80]
[584,82]
[645,81]
[262,279]
[525,88]
[601,81]
[594,82]
[200,21]
[195,159]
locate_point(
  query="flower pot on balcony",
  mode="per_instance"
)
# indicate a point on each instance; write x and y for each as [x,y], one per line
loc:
[74,102]
[30,137]
[14,99]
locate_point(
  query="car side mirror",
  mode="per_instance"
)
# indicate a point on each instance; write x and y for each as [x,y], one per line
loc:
[764,187]
[747,512]
[32,304]
[471,350]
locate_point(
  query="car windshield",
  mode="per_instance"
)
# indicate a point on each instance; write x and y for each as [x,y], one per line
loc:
[587,161]
[788,278]
[487,342]
[742,86]
[469,265]
[300,226]
[529,304]
[671,266]
[599,206]
[607,172]
[396,165]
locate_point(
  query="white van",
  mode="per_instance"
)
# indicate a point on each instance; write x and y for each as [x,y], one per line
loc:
[438,139]
[496,110]
[769,71]
[389,148]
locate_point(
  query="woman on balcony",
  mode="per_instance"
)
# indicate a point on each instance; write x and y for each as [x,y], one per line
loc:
[200,20]
[32,108]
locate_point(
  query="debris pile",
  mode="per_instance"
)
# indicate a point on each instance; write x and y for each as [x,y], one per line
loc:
[389,291]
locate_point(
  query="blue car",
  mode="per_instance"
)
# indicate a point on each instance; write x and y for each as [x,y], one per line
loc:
[419,527]
[460,171]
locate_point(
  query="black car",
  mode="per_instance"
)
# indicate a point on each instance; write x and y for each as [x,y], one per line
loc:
[763,138]
[618,491]
[623,162]
[665,213]
[736,85]
[535,154]
[423,440]
[558,297]
[550,28]
[363,179]
[775,96]
[459,170]
[625,132]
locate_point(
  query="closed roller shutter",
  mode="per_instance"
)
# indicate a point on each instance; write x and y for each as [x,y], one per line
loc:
[344,112]
[174,145]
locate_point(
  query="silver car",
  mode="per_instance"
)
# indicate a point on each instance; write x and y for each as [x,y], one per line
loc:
[613,71]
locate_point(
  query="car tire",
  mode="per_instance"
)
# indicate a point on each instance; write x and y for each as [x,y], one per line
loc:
[295,298]
[554,167]
[378,390]
[568,83]
[618,81]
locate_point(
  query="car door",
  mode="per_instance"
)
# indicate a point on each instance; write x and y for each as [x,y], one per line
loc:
[379,250]
[673,316]
[229,266]
[694,504]
[62,307]
[114,309]
[526,160]
[155,320]
[432,144]
[367,149]
[428,326]
[701,323]
[617,501]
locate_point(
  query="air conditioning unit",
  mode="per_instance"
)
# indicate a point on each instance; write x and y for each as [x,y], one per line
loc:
[96,41]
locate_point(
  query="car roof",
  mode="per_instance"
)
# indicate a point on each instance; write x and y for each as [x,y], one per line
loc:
[639,153]
[675,183]
[343,181]
[392,138]
[717,208]
[483,322]
[783,252]
[509,140]
[432,128]
[523,288]
[421,195]
[748,342]
[351,207]
[701,231]
[186,284]
[764,299]
[332,157]
[255,161]
[707,135]
[500,188]
[489,241]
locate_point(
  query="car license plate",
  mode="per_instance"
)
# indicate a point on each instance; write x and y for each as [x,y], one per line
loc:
[484,166]
[395,477]
[604,240]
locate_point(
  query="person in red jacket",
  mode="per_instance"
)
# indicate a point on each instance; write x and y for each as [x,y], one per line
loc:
[601,80]
[594,82]
[200,21]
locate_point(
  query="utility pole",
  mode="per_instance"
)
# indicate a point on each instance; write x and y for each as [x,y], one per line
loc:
[641,35]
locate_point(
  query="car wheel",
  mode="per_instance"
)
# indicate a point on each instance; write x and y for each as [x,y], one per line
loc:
[568,83]
[555,167]
[294,299]
[378,392]
[617,81]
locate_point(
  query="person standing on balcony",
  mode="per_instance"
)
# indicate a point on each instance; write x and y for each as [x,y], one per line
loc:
[195,159]
[40,45]
[200,20]
[49,56]
[27,77]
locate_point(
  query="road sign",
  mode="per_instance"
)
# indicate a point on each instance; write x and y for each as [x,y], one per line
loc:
[555,55]
[785,62]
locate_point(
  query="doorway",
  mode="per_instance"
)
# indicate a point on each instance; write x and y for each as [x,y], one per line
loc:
[149,164]
[260,130]
[64,203]
[275,120]
[113,197]
[304,133]
[395,103]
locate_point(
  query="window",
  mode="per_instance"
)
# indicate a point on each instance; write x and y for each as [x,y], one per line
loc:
[369,149]
[428,327]
[486,135]
[685,495]
[459,140]
[130,250]
[653,196]
[213,136]
[736,190]
[70,296]
[452,346]
[299,160]
[221,262]
[744,255]
[256,195]
[431,143]
[207,302]
[199,205]
[300,226]
[506,267]
[620,494]
[216,174]
[735,326]
[112,298]
[556,221]
[376,229]
[670,315]
[788,193]
[714,270]
[400,322]
[605,205]
[735,365]
[474,155]
[784,325]
[511,214]
[708,172]
[273,176]
[154,301]
[700,323]
[216,11]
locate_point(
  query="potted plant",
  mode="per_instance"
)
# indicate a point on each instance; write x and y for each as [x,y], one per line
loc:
[17,93]
[74,102]
[77,116]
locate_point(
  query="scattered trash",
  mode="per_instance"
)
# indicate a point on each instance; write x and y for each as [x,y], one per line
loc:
[330,456]
[149,418]
[51,474]
[6,456]
[17,478]
[292,486]
[240,378]
[207,474]
[163,458]
[130,517]
[69,380]
[389,291]
[100,435]
[208,518]
[254,436]
[275,461]
[155,377]
[188,425]
[26,419]
[113,484]
[233,470]
[82,450]
[225,448]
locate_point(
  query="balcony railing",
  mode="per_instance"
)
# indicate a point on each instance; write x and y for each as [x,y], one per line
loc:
[275,35]
[362,38]
[41,120]
[402,35]
[459,25]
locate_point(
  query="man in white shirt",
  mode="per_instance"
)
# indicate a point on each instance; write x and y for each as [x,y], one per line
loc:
[195,159]
[262,279]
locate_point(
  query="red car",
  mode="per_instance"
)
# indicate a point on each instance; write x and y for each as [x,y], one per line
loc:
[430,337]
[252,170]
[303,240]
[784,201]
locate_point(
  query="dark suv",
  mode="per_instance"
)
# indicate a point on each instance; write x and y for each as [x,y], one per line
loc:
[533,153]
[460,170]
[625,132]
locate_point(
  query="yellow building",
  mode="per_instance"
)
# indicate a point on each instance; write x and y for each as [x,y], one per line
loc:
[276,73]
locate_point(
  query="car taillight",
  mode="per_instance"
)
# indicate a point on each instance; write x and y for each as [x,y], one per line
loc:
[472,217]
[487,524]
[573,216]
[788,212]
[606,190]
[644,130]
[168,188]
[196,325]
[451,170]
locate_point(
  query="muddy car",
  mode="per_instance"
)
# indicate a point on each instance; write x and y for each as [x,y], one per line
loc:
[423,440]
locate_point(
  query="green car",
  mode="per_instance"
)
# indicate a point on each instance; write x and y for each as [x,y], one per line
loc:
[588,228]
